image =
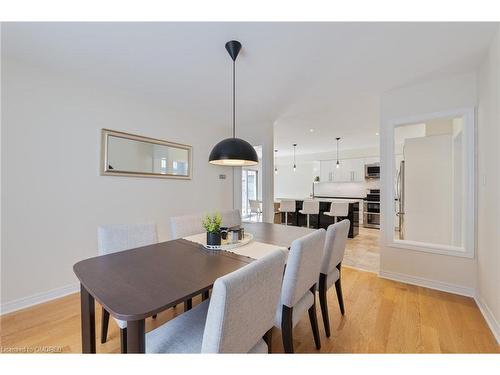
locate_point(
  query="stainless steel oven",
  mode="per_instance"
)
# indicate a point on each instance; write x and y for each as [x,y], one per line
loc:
[371,209]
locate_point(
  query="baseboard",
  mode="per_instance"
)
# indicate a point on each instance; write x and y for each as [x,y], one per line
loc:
[428,283]
[35,299]
[489,317]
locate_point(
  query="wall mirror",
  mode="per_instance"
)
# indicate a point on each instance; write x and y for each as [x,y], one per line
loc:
[124,154]
[433,183]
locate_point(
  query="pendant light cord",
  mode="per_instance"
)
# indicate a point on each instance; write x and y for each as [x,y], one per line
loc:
[234,98]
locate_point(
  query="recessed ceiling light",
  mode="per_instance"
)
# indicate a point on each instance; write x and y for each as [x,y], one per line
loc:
[311,130]
[376,133]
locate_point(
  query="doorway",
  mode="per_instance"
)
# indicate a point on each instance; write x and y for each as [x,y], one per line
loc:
[251,204]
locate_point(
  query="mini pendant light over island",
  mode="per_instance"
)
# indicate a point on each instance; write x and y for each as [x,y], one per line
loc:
[233,152]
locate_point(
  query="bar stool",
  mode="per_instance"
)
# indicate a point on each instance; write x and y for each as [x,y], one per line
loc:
[286,206]
[338,209]
[310,207]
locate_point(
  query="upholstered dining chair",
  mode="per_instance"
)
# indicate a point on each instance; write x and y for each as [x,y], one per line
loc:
[114,238]
[335,242]
[298,293]
[188,225]
[238,317]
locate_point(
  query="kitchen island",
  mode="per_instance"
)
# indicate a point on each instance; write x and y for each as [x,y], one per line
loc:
[321,220]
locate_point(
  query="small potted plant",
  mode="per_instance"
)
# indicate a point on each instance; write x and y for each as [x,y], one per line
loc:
[212,223]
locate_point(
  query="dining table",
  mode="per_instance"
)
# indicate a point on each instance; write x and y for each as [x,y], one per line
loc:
[135,284]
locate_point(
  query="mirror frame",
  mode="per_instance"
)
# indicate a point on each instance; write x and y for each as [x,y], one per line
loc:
[387,145]
[105,171]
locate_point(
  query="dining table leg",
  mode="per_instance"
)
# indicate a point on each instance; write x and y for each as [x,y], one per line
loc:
[87,305]
[136,336]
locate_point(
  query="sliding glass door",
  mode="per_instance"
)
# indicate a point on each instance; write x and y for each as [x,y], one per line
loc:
[249,189]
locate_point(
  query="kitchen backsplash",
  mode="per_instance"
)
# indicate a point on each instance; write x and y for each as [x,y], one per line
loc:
[345,189]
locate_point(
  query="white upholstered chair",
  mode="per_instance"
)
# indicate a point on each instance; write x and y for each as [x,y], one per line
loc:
[187,225]
[286,206]
[338,209]
[298,293]
[231,218]
[237,319]
[335,242]
[114,238]
[310,207]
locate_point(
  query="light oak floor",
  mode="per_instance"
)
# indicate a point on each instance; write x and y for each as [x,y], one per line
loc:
[382,316]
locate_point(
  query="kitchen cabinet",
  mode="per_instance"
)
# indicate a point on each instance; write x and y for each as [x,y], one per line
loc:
[350,170]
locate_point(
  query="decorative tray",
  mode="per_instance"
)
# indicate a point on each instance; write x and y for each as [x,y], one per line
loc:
[226,245]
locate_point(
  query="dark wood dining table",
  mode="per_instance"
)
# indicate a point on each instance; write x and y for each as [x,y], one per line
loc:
[135,284]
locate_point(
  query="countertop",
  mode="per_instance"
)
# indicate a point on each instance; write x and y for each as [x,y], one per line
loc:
[325,199]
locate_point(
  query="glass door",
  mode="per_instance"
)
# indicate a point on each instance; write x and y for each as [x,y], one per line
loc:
[249,190]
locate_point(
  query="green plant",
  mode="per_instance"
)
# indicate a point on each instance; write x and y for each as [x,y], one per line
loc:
[212,223]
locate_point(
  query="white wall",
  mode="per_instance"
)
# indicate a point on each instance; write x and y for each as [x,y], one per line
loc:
[53,197]
[453,273]
[488,213]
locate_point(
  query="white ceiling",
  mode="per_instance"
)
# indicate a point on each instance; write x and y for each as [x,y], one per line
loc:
[325,76]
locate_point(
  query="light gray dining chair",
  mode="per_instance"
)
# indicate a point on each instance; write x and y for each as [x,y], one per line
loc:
[335,243]
[231,218]
[187,225]
[238,317]
[298,293]
[120,237]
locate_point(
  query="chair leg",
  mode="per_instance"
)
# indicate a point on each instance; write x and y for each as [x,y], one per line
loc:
[268,338]
[314,320]
[205,295]
[286,218]
[308,220]
[188,305]
[123,340]
[104,325]
[287,329]
[324,303]
[338,288]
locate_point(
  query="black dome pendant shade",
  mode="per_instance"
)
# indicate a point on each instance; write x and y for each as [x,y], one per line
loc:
[233,152]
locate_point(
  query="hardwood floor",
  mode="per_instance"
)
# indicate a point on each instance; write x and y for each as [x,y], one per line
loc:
[382,316]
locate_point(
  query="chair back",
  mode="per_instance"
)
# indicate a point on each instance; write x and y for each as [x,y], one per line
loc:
[335,242]
[230,218]
[186,225]
[302,268]
[119,237]
[310,207]
[287,205]
[243,306]
[339,209]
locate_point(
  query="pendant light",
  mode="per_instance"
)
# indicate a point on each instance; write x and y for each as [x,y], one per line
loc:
[275,166]
[338,163]
[233,152]
[294,165]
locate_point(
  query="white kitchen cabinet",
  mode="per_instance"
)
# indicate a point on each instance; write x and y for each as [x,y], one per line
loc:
[326,170]
[351,170]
